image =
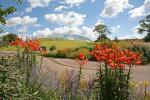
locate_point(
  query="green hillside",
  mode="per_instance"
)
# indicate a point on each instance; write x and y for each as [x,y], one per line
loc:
[59,43]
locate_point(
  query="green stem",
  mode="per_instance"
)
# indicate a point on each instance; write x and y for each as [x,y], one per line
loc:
[145,93]
[106,82]
[128,77]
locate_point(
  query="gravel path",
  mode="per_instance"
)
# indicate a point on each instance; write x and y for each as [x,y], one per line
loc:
[89,69]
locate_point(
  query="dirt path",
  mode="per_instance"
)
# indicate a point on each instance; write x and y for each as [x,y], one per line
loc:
[89,69]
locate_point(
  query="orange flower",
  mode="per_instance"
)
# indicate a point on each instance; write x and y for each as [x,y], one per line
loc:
[81,56]
[81,60]
[115,57]
[34,45]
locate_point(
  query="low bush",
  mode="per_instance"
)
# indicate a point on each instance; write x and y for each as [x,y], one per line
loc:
[85,51]
[64,53]
[53,47]
[143,50]
[43,48]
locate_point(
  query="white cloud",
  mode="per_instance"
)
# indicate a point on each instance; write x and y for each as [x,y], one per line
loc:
[99,22]
[26,20]
[70,18]
[42,33]
[115,29]
[74,2]
[114,7]
[135,29]
[3,33]
[67,30]
[140,11]
[22,30]
[72,30]
[88,32]
[37,3]
[136,34]
[83,31]
[60,8]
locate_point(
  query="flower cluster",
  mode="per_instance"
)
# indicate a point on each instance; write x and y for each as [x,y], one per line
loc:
[81,60]
[34,44]
[115,57]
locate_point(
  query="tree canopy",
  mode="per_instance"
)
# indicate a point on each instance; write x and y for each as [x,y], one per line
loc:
[102,30]
[4,12]
[145,27]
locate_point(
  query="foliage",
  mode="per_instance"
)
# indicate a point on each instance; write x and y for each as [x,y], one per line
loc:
[43,47]
[4,12]
[145,27]
[53,47]
[112,83]
[9,38]
[64,52]
[85,51]
[143,50]
[102,31]
[15,74]
[21,76]
[116,39]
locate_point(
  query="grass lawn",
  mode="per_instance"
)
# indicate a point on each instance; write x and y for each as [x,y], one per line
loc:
[61,44]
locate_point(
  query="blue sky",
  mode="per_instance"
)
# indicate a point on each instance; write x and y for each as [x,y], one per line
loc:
[42,18]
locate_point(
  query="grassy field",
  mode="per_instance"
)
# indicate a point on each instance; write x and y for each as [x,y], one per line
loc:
[60,44]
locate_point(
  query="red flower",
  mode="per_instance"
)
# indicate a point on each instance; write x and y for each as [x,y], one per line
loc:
[33,45]
[81,60]
[115,57]
[81,56]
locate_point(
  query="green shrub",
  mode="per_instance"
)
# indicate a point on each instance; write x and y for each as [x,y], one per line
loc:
[53,47]
[63,53]
[50,55]
[9,38]
[85,51]
[143,50]
[43,48]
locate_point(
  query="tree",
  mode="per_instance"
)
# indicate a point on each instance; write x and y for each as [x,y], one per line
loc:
[116,39]
[102,31]
[9,38]
[145,27]
[4,12]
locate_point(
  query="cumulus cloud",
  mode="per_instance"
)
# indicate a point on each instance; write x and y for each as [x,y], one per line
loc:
[72,30]
[26,20]
[42,33]
[99,22]
[115,29]
[82,31]
[136,34]
[37,3]
[67,30]
[3,33]
[70,18]
[22,30]
[88,32]
[114,7]
[140,11]
[60,8]
[74,2]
